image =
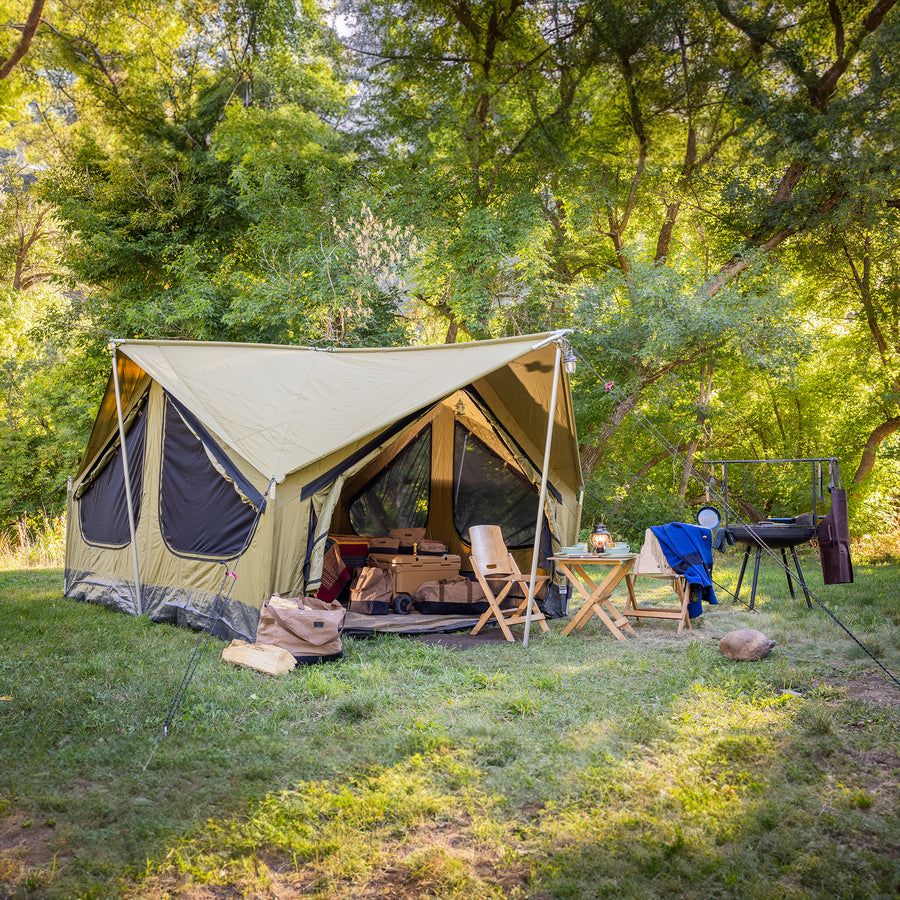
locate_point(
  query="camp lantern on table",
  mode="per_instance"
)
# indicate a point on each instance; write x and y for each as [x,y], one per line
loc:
[600,538]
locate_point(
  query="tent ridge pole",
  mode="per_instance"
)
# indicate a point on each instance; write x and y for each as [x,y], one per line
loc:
[543,495]
[129,503]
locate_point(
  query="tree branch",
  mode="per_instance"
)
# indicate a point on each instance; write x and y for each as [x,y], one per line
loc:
[28,32]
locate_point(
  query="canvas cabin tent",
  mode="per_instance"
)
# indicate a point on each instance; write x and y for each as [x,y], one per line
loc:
[284,445]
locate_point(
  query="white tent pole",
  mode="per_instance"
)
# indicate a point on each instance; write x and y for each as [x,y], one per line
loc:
[543,497]
[134,556]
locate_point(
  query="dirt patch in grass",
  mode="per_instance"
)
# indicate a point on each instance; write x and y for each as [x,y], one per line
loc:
[25,847]
[441,859]
[873,687]
[435,859]
[171,888]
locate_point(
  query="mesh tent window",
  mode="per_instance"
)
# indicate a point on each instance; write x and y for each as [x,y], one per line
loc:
[486,491]
[398,496]
[103,504]
[200,511]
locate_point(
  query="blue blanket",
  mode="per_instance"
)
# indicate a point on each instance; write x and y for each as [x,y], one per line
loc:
[688,550]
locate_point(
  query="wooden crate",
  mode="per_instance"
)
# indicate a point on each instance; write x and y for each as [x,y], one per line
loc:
[410,571]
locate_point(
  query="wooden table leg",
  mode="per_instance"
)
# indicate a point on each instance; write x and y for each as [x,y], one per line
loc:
[597,599]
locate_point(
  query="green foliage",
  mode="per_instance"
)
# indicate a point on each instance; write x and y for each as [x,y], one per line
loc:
[704,192]
[34,543]
[51,377]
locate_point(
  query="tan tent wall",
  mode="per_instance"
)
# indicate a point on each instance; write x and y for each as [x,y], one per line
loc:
[174,588]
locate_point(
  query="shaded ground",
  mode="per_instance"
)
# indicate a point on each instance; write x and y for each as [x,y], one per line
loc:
[874,687]
[464,640]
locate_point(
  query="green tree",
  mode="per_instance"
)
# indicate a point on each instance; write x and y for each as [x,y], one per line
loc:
[200,148]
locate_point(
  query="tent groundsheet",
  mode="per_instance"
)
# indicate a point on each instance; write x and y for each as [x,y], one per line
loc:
[413,623]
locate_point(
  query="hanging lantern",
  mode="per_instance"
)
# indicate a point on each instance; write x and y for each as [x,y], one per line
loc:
[600,538]
[570,361]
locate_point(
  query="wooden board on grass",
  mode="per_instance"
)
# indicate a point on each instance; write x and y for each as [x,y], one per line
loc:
[265,658]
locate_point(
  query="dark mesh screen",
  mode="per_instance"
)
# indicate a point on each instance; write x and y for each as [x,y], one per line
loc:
[103,507]
[200,512]
[398,496]
[487,492]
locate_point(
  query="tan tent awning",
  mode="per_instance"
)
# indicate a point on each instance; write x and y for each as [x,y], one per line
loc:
[282,408]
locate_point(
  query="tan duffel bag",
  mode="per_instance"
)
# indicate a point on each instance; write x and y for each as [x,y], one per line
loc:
[450,597]
[371,591]
[308,628]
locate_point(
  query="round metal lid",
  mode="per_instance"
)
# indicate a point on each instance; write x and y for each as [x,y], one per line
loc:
[708,517]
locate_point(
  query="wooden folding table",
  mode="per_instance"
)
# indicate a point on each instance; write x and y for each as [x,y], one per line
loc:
[596,596]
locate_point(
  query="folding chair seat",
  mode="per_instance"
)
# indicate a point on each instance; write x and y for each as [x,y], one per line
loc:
[497,573]
[652,563]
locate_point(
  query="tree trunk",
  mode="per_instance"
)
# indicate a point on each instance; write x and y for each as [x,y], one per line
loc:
[867,463]
[706,380]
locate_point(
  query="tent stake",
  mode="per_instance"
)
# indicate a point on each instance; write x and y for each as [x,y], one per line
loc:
[134,555]
[543,497]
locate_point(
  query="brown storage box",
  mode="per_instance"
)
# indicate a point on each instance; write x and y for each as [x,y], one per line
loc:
[408,535]
[410,571]
[384,544]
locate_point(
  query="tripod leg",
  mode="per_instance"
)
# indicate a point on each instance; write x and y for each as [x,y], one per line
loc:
[787,571]
[737,590]
[755,576]
[800,576]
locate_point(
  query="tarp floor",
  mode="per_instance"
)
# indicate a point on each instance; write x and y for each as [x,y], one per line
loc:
[411,623]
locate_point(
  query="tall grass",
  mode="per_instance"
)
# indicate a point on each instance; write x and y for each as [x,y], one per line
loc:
[33,543]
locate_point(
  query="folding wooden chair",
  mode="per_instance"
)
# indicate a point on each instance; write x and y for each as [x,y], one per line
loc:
[492,562]
[652,563]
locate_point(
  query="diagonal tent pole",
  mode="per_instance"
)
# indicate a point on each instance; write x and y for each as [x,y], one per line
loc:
[128,499]
[543,496]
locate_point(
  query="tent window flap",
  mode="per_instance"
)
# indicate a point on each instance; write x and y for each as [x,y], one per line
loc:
[398,496]
[200,512]
[487,491]
[103,507]
[211,447]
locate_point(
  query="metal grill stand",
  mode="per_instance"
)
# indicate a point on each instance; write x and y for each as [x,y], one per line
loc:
[774,536]
[777,534]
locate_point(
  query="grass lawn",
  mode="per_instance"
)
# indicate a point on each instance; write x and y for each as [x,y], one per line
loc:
[578,768]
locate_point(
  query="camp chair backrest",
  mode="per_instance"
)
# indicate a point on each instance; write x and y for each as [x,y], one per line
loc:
[489,550]
[651,560]
[493,565]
